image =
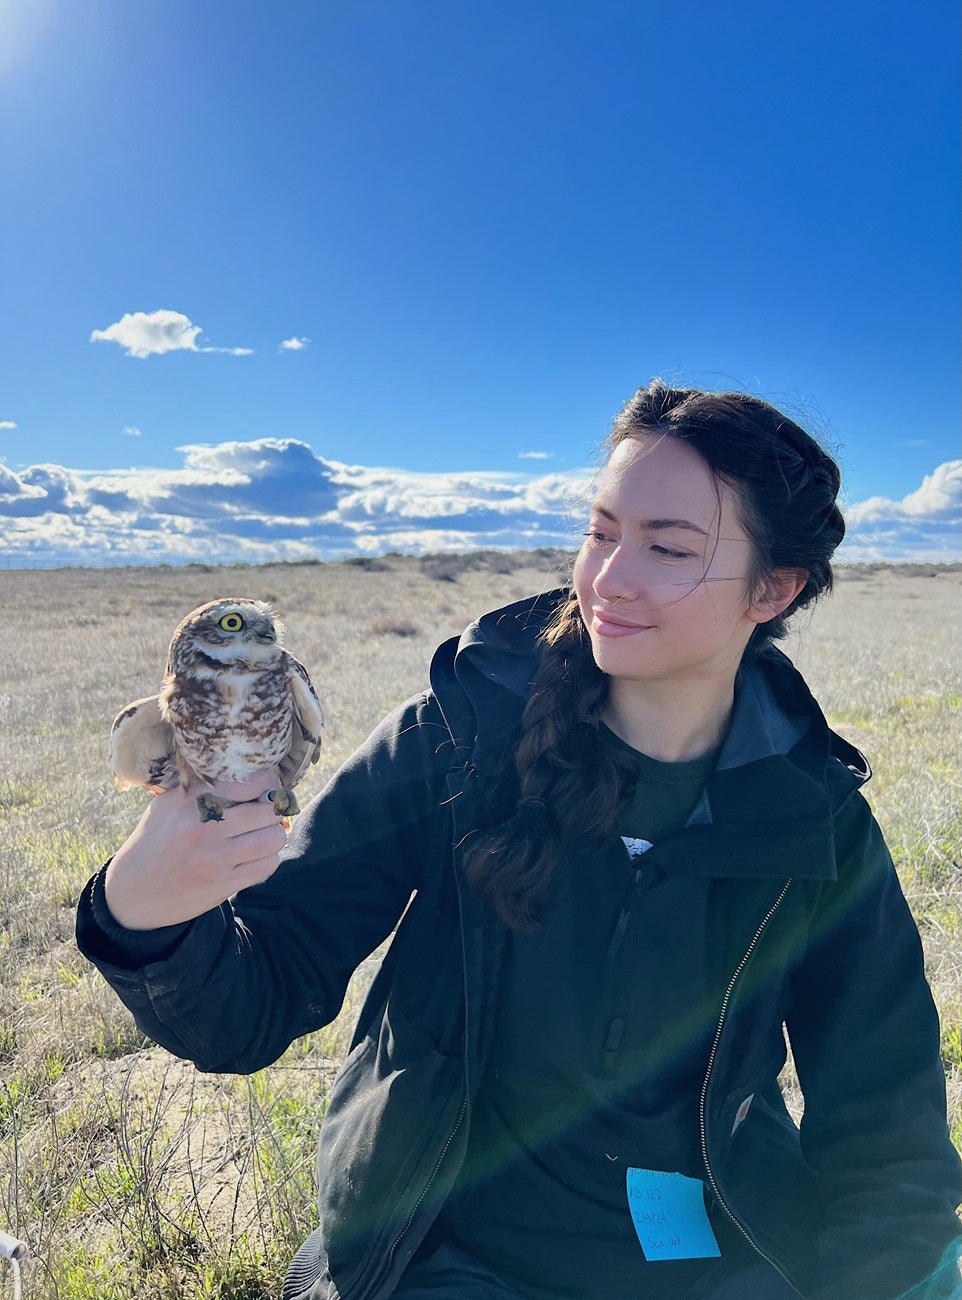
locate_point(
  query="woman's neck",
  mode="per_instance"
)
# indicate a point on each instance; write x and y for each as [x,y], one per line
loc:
[666,725]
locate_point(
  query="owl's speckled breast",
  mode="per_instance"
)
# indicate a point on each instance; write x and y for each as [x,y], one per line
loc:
[229,725]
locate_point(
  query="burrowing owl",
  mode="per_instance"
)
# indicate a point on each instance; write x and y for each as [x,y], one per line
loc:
[232,703]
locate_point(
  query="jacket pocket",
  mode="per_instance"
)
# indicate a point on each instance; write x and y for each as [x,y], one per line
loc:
[767,1182]
[391,1144]
[427,974]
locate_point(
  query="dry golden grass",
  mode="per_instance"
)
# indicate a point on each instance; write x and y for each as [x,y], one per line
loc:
[133,1175]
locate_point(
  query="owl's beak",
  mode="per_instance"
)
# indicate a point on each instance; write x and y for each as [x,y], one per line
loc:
[264,633]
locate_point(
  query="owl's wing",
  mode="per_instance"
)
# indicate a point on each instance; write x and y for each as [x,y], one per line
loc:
[308,724]
[142,747]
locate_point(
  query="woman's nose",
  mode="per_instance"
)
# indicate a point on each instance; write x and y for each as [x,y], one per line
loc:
[615,579]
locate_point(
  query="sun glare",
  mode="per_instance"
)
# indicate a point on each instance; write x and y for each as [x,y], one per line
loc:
[22,23]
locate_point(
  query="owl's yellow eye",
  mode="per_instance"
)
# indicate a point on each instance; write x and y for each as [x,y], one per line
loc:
[231,623]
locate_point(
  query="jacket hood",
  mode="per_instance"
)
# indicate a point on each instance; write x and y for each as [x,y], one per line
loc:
[781,773]
[482,678]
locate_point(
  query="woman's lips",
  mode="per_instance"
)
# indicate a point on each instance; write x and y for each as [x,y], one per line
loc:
[606,624]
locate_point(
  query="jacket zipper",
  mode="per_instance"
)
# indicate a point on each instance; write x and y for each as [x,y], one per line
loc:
[716,1190]
[615,1028]
[454,793]
[634,893]
[389,1257]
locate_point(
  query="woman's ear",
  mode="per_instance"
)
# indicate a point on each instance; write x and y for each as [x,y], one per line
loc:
[778,591]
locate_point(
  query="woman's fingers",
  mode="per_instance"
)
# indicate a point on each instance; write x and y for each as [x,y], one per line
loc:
[173,867]
[256,846]
[253,873]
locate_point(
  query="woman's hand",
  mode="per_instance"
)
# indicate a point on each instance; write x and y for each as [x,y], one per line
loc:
[174,867]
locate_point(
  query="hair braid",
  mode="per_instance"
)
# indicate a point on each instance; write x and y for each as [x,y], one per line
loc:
[570,783]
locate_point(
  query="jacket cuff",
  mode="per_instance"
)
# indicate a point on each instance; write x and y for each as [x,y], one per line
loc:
[102,939]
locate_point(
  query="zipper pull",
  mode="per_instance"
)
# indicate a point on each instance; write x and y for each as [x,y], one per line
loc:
[612,1044]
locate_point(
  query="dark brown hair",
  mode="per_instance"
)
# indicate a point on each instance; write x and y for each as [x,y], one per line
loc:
[572,784]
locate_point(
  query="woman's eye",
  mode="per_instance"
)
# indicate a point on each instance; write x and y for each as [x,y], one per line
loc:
[596,535]
[669,553]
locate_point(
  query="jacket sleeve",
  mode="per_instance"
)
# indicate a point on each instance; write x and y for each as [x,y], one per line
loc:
[232,989]
[865,1035]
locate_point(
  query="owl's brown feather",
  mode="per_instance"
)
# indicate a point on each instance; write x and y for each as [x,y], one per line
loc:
[142,747]
[233,703]
[305,746]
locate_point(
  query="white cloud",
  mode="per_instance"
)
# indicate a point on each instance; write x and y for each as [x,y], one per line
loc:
[274,498]
[144,334]
[7,424]
[924,524]
[130,431]
[152,333]
[294,344]
[535,455]
[940,495]
[14,488]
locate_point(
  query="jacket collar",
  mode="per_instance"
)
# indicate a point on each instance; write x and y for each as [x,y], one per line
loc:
[767,809]
[483,678]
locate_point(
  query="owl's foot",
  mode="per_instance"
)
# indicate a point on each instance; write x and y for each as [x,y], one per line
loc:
[285,804]
[211,807]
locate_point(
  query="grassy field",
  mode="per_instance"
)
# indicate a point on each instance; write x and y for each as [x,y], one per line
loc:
[132,1175]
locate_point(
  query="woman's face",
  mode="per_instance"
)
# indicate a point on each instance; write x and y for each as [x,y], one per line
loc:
[662,579]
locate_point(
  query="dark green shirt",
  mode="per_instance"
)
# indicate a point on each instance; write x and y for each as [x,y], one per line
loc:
[602,1040]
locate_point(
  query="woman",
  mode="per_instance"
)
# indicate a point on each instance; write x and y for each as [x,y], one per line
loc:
[636,852]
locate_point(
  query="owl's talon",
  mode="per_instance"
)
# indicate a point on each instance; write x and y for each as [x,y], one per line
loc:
[211,807]
[285,804]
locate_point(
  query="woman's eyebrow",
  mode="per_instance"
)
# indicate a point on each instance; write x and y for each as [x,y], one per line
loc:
[653,525]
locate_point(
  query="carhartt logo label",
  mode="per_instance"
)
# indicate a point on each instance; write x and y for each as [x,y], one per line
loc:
[635,847]
[741,1112]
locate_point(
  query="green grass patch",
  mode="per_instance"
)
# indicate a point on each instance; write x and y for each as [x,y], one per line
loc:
[18,796]
[952,1044]
[22,1093]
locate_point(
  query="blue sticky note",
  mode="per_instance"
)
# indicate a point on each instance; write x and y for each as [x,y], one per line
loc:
[668,1211]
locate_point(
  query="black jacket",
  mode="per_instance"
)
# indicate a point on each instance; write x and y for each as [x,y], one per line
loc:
[812,932]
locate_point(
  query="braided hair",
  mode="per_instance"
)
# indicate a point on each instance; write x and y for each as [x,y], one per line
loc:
[571,785]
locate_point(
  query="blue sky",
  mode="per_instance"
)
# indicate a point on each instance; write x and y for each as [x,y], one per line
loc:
[486,224]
